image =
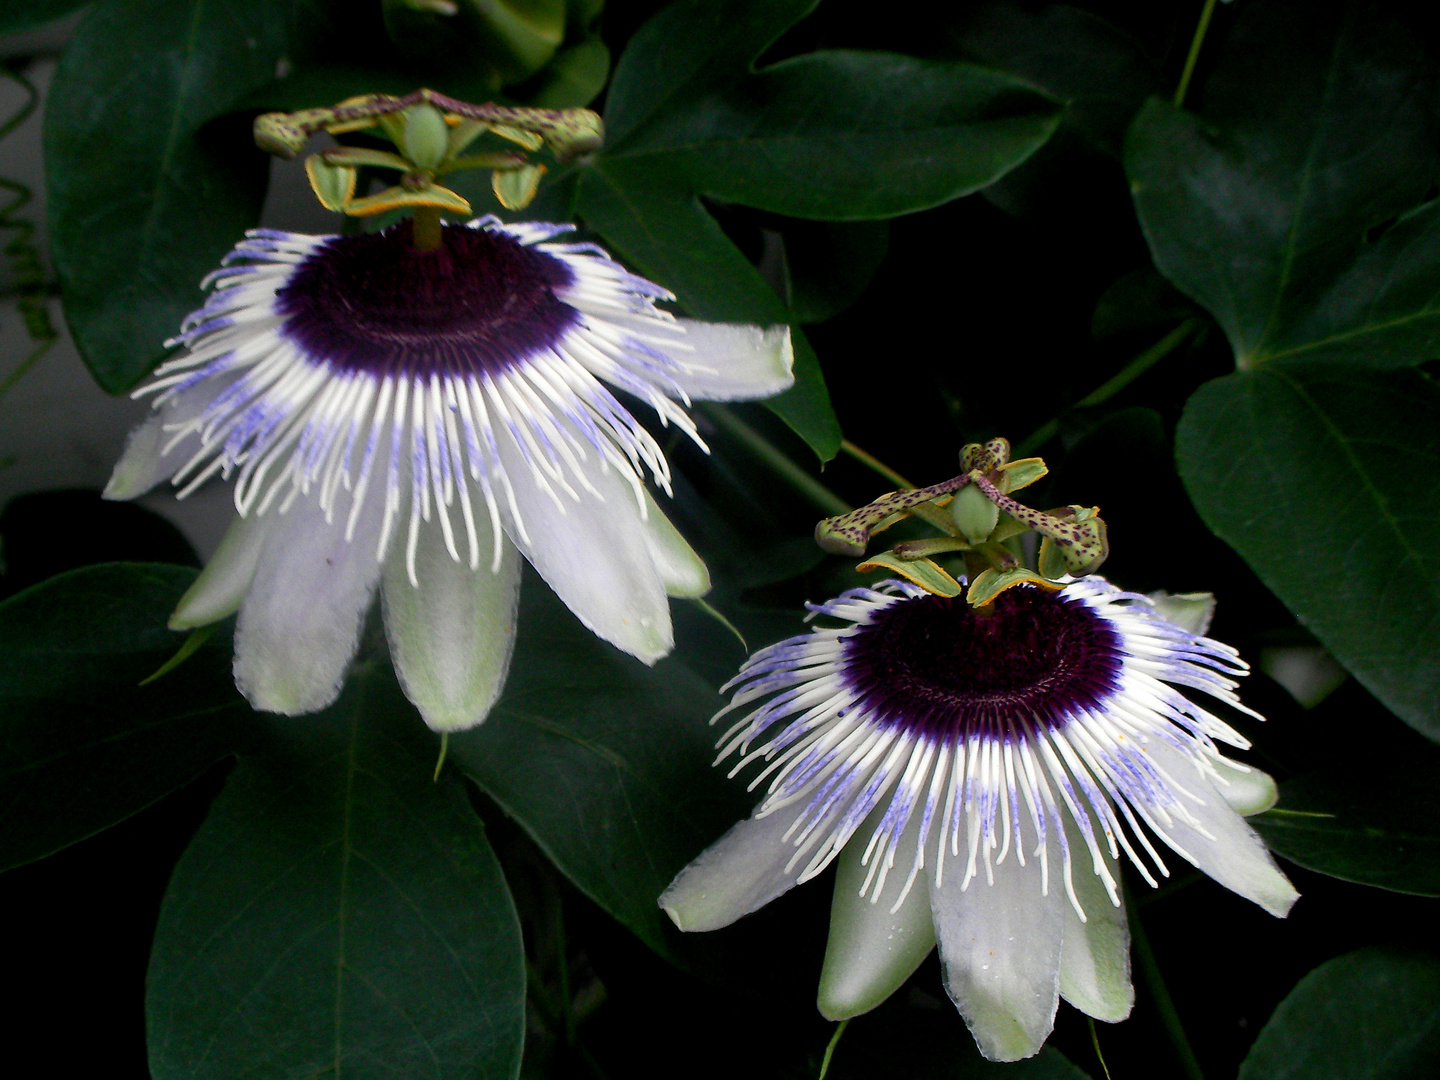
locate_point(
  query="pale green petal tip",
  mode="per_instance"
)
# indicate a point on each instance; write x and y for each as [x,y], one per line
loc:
[685,901]
[871,949]
[859,975]
[1308,672]
[1191,612]
[1248,791]
[195,611]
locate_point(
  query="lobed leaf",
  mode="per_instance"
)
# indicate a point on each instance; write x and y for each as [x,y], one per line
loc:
[1292,207]
[1322,477]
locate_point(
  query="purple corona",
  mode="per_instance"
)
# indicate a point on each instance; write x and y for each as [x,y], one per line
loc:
[979,776]
[411,422]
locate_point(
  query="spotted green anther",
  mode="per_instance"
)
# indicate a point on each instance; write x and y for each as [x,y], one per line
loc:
[848,534]
[426,138]
[1076,531]
[430,130]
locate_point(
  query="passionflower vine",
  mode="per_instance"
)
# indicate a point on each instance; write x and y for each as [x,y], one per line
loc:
[978,774]
[412,421]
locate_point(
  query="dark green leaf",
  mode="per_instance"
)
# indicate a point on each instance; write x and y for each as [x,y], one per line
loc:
[830,264]
[18,15]
[1271,207]
[828,135]
[1371,1015]
[338,914]
[1379,827]
[1323,479]
[606,763]
[1101,72]
[142,205]
[662,228]
[82,744]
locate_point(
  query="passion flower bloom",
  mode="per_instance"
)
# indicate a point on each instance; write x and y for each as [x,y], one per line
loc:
[980,776]
[413,421]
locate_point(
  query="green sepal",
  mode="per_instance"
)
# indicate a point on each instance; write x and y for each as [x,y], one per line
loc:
[932,545]
[1052,562]
[515,188]
[396,197]
[519,136]
[462,135]
[363,155]
[928,575]
[989,584]
[1021,473]
[334,185]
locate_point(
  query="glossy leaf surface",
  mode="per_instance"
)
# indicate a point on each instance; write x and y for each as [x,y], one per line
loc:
[1372,1014]
[344,904]
[1291,205]
[605,762]
[82,744]
[1322,478]
[836,135]
[142,202]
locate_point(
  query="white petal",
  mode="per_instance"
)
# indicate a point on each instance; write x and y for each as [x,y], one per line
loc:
[871,952]
[141,466]
[452,636]
[741,872]
[734,362]
[595,555]
[1095,954]
[1000,949]
[1235,857]
[1191,612]
[301,620]
[221,586]
[1250,791]
[681,570]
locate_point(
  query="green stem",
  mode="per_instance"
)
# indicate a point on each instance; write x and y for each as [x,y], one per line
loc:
[821,497]
[830,1047]
[1112,386]
[875,463]
[1095,1042]
[1195,43]
[1160,997]
[427,228]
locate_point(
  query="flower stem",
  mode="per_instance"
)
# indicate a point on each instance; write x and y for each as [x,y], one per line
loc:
[875,463]
[427,228]
[817,493]
[830,1047]
[1095,1042]
[1195,43]
[1112,386]
[1160,997]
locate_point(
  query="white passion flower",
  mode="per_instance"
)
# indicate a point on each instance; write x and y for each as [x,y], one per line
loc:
[414,421]
[978,777]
